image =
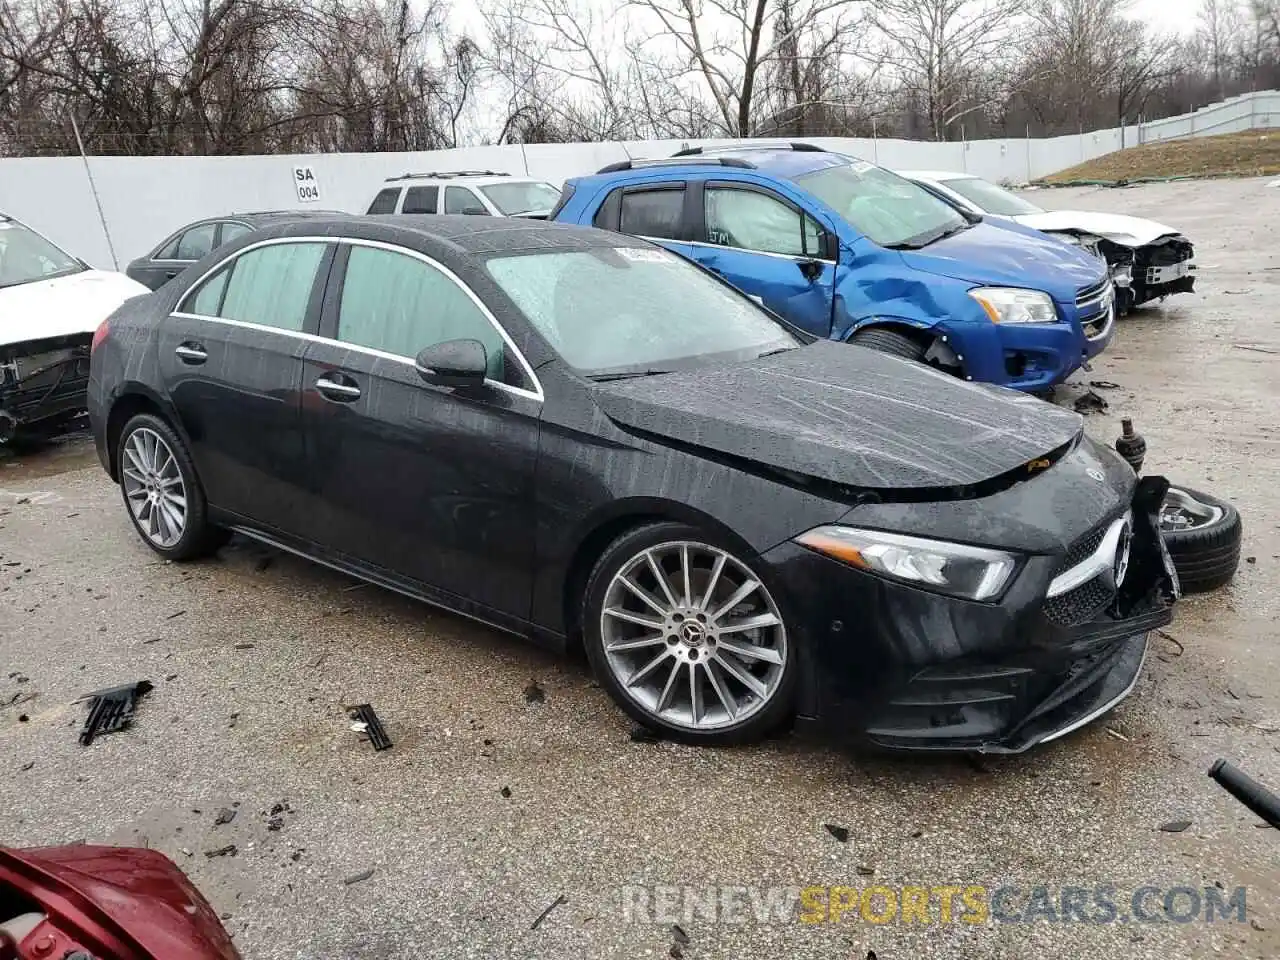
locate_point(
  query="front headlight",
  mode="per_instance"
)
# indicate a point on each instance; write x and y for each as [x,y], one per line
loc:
[975,573]
[1015,305]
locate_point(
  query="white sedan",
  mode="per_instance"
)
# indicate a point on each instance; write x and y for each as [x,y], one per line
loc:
[1148,260]
[50,305]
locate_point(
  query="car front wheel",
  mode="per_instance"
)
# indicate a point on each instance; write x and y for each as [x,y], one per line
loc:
[687,638]
[161,491]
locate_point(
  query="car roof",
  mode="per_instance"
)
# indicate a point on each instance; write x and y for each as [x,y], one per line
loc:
[781,161]
[476,177]
[462,234]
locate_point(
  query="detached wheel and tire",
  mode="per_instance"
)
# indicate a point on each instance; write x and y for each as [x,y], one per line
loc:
[1203,535]
[687,638]
[161,491]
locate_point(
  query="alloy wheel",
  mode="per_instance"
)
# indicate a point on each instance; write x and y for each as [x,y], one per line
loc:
[1181,511]
[693,636]
[154,488]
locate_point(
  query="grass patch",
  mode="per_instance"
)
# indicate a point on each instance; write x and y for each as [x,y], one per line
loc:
[1253,153]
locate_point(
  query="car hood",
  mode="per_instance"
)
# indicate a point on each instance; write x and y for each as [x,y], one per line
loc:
[844,414]
[62,306]
[993,253]
[1124,230]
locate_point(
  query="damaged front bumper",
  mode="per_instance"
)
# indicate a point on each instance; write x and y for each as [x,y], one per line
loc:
[905,669]
[41,382]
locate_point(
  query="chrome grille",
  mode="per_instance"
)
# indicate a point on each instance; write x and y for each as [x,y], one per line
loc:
[1095,307]
[1079,605]
[1083,548]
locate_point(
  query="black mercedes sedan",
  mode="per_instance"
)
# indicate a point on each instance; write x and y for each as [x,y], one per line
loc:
[581,438]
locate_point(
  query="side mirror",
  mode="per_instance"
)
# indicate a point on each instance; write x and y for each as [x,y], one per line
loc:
[475,212]
[453,363]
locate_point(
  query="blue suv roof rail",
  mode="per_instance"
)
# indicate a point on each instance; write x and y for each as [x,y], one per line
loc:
[667,161]
[797,146]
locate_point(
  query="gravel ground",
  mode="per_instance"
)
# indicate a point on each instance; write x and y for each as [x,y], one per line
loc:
[254,654]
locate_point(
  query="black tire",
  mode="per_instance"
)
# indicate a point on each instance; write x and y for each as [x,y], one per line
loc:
[768,717]
[199,537]
[1205,556]
[891,342]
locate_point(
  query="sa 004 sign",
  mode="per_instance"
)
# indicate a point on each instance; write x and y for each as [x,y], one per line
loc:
[306,183]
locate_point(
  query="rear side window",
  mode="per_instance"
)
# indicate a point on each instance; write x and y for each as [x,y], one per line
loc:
[385,201]
[421,200]
[270,286]
[230,231]
[652,213]
[462,200]
[400,305]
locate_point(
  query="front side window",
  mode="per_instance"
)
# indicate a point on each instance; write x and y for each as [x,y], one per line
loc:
[400,305]
[420,200]
[990,198]
[462,200]
[513,199]
[385,201]
[270,286]
[196,242]
[652,213]
[891,210]
[25,256]
[630,310]
[751,220]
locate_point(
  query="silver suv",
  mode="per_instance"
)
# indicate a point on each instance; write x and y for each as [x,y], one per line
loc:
[479,192]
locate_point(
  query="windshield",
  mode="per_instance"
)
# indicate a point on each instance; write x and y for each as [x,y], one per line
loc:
[26,256]
[514,199]
[629,310]
[892,211]
[990,198]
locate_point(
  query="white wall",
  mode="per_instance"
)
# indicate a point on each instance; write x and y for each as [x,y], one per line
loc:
[146,198]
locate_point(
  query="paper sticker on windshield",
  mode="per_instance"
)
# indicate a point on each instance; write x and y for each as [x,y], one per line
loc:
[643,255]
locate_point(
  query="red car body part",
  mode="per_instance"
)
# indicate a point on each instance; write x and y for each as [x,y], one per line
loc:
[107,903]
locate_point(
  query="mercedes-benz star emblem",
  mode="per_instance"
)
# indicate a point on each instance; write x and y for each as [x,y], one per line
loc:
[1097,475]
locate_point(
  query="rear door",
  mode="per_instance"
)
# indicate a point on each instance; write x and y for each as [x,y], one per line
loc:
[769,248]
[425,483]
[421,199]
[231,360]
[660,212]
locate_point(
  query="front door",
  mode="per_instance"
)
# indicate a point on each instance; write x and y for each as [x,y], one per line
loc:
[771,250]
[427,483]
[231,360]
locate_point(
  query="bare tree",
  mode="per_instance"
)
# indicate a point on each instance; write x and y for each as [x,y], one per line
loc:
[1219,31]
[729,45]
[948,55]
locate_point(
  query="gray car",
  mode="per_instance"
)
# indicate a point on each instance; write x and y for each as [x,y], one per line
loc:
[197,240]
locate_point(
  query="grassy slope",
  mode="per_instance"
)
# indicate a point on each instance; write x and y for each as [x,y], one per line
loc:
[1253,153]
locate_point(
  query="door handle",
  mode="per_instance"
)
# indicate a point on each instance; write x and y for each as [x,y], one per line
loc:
[170,274]
[192,353]
[338,392]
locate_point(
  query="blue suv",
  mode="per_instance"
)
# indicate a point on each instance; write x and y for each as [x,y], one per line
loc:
[844,249]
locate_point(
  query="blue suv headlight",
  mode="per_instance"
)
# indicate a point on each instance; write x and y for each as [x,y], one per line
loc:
[1015,305]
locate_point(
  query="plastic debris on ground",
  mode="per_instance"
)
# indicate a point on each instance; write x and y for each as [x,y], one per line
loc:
[111,709]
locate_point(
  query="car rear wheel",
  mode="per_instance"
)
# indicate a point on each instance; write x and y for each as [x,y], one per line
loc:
[1203,536]
[161,491]
[687,638]
[889,341]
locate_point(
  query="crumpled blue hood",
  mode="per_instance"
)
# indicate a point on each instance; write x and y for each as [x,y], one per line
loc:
[1009,255]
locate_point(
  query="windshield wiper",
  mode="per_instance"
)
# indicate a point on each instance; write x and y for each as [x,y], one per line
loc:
[770,353]
[627,375]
